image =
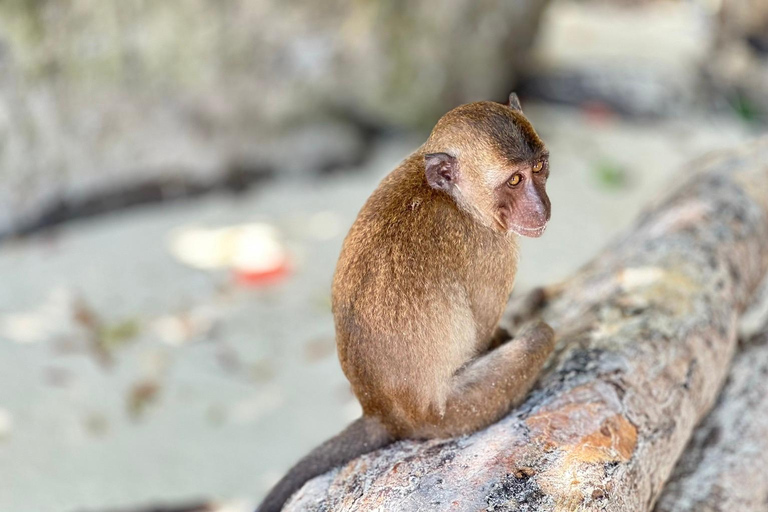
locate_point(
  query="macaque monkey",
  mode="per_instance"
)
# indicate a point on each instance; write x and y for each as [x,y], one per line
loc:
[423,278]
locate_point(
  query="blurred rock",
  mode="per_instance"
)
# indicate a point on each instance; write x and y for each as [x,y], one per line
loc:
[637,58]
[99,95]
[738,65]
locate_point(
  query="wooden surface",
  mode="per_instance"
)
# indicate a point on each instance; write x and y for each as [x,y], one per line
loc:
[725,466]
[646,335]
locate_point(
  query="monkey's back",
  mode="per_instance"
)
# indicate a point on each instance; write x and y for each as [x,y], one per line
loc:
[418,289]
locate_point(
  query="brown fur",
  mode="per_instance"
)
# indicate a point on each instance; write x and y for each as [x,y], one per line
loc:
[423,279]
[424,276]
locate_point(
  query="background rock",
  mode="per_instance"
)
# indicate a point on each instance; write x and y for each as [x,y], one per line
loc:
[644,63]
[737,66]
[101,94]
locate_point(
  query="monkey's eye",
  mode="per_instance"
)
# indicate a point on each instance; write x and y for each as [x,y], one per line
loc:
[538,166]
[514,180]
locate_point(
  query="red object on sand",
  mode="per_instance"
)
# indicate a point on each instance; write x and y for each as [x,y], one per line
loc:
[264,276]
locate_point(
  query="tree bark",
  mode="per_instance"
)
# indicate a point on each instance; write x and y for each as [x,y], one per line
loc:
[646,333]
[723,468]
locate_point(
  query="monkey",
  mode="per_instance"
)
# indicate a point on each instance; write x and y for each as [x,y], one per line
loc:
[421,284]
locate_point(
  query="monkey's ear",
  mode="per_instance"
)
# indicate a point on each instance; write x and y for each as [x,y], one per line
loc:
[441,170]
[514,102]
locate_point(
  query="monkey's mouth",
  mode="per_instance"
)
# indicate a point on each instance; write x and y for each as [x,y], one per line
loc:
[529,232]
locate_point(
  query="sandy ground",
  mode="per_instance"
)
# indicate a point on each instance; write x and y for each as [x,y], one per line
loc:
[253,383]
[129,378]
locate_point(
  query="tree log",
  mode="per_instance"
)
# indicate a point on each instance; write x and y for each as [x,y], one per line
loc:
[646,333]
[723,468]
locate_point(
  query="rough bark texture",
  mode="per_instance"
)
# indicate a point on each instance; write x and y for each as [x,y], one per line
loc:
[646,334]
[723,467]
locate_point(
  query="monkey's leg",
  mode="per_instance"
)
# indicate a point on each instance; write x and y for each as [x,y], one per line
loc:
[485,390]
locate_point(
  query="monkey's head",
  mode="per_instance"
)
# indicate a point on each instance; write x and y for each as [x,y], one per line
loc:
[488,157]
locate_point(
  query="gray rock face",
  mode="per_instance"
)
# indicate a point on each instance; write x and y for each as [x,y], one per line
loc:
[97,94]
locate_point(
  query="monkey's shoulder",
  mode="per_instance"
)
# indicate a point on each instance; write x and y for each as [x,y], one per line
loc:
[404,212]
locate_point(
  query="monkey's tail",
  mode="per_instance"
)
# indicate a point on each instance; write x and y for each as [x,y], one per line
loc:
[362,436]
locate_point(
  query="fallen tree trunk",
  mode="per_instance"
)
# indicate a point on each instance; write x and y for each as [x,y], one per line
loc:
[723,468]
[645,332]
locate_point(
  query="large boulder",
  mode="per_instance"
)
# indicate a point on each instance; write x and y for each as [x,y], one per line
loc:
[103,94]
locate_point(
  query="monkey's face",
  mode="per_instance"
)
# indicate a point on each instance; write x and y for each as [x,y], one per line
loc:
[522,203]
[492,162]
